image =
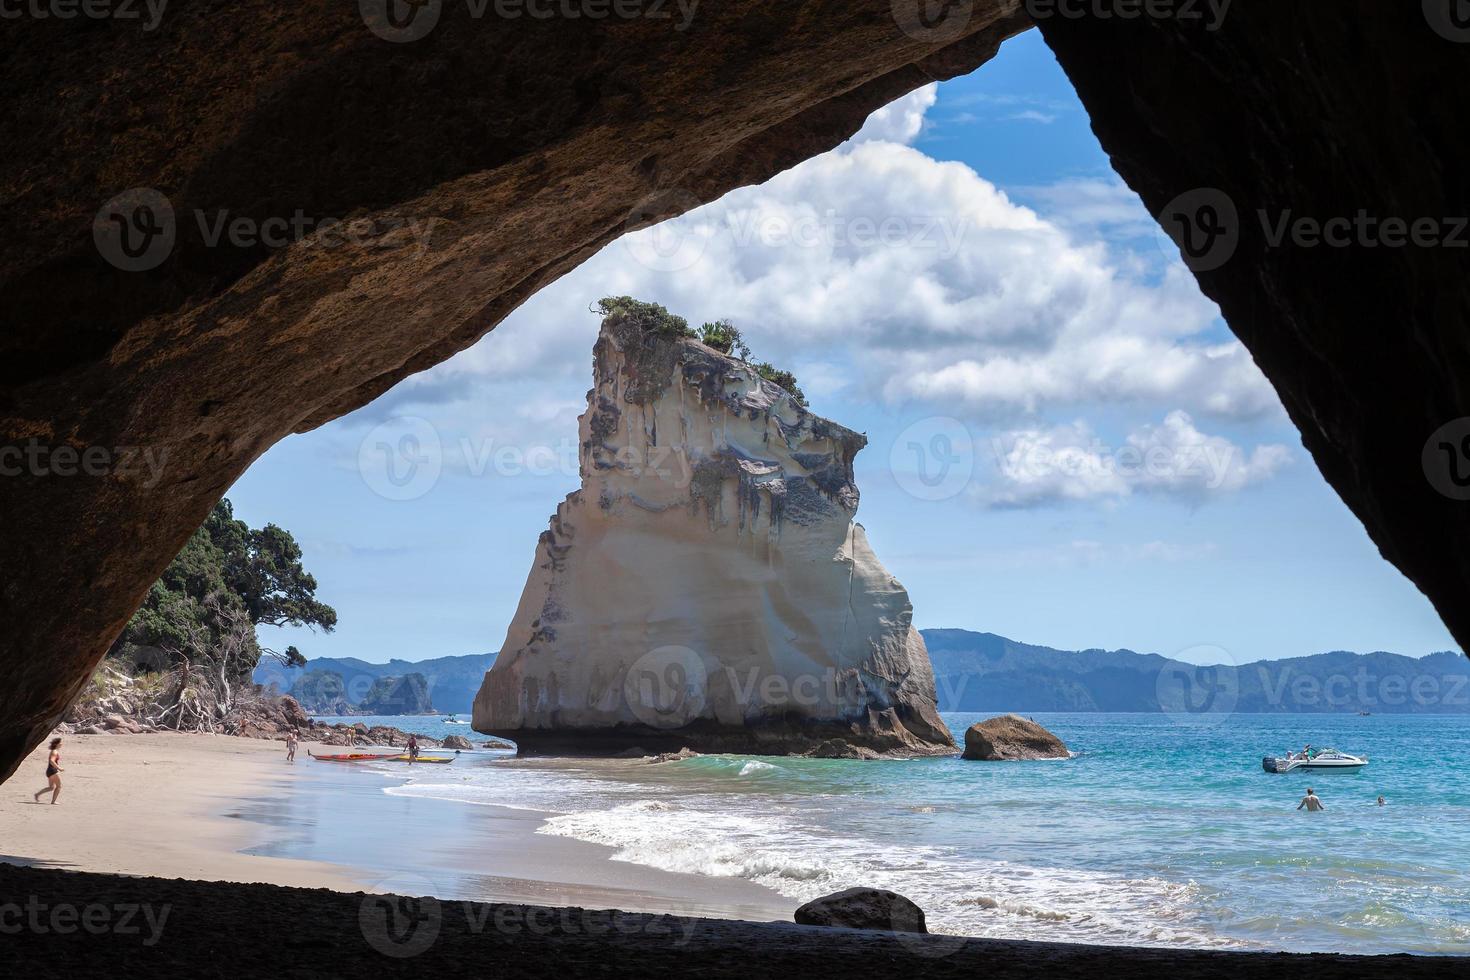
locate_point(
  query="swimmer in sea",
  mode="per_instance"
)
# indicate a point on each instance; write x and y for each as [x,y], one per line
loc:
[1311,801]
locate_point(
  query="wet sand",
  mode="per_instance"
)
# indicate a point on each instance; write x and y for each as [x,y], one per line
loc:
[218,808]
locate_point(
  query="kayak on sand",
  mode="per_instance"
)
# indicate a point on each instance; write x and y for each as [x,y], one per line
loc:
[373,757]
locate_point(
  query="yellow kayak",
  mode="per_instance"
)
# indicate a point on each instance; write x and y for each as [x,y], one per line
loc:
[422,758]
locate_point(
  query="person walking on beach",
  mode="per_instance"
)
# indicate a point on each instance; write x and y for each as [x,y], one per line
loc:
[413,749]
[1311,801]
[291,741]
[53,773]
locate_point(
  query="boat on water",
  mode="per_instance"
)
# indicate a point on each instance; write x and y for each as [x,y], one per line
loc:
[1322,759]
[452,720]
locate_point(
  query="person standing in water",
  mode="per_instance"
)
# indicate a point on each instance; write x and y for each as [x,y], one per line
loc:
[1311,801]
[291,741]
[53,773]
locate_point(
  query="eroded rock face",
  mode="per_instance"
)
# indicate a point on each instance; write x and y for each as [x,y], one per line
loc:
[1010,738]
[477,164]
[707,586]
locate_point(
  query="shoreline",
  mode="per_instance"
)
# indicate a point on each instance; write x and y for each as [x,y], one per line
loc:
[222,808]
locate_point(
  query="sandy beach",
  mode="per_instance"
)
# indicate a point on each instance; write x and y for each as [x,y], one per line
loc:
[218,808]
[163,809]
[155,805]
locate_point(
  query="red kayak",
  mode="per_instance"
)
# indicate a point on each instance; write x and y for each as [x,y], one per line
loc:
[350,757]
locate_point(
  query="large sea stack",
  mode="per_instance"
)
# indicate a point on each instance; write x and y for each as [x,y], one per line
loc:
[707,588]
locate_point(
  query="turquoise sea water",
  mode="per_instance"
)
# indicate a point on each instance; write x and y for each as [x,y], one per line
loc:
[1158,832]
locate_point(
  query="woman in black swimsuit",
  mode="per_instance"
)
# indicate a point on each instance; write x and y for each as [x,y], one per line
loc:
[53,773]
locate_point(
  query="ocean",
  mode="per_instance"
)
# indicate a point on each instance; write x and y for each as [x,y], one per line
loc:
[1158,832]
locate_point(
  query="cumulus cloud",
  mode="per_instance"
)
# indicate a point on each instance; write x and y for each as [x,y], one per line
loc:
[1094,205]
[891,277]
[900,121]
[1071,463]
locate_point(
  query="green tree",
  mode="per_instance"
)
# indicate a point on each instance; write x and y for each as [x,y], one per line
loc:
[651,317]
[724,337]
[782,378]
[227,575]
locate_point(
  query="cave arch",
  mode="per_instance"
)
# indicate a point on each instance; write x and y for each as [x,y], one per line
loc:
[210,355]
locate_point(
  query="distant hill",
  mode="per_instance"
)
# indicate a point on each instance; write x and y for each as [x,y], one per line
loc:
[452,682]
[986,672]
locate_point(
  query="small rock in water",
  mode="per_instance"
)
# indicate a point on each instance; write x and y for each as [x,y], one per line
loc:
[496,743]
[863,908]
[458,742]
[1010,737]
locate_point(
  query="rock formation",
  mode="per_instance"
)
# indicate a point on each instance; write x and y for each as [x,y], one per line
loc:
[707,586]
[1010,737]
[406,695]
[863,908]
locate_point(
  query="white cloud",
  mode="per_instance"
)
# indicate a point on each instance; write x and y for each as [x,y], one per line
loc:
[891,277]
[1093,205]
[900,121]
[1032,115]
[1070,463]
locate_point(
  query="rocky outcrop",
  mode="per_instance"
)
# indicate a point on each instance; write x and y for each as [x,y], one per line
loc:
[707,587]
[863,908]
[458,742]
[323,692]
[1007,737]
[406,695]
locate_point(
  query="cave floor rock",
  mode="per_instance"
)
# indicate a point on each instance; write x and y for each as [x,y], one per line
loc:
[216,929]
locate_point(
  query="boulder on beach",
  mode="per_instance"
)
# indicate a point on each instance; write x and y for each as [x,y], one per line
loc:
[1010,737]
[458,742]
[496,743]
[863,908]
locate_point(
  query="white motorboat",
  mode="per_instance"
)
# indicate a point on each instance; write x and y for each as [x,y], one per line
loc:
[1323,759]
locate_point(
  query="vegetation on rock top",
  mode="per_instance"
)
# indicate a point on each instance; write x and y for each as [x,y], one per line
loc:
[720,335]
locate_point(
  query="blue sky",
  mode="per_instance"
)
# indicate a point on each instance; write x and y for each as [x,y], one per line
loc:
[1066,445]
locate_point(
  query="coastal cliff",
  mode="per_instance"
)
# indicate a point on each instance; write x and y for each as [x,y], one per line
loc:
[707,587]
